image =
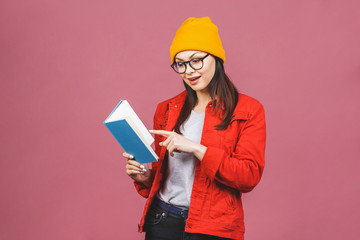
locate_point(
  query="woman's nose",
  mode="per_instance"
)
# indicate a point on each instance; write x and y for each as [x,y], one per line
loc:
[189,69]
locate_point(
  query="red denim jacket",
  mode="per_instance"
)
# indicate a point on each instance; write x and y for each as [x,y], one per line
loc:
[233,164]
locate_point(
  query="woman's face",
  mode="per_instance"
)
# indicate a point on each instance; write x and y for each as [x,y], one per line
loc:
[198,80]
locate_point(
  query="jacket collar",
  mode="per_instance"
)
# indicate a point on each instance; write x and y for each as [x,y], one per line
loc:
[179,99]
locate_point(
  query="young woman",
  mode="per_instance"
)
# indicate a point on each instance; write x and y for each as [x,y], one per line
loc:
[210,140]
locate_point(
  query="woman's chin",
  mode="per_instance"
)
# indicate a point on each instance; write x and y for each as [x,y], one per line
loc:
[196,87]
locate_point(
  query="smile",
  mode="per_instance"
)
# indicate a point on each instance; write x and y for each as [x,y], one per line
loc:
[194,80]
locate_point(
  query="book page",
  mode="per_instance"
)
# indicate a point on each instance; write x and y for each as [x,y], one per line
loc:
[124,110]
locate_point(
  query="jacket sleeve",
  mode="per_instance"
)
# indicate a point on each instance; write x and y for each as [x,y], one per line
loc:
[141,188]
[242,169]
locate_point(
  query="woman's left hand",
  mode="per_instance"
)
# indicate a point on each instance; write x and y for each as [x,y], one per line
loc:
[177,143]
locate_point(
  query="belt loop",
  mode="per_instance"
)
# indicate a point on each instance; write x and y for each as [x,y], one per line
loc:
[184,213]
[168,209]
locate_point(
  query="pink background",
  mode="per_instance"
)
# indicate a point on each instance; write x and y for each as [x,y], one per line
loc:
[64,65]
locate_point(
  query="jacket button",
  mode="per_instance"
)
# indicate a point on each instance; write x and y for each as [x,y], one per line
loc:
[175,105]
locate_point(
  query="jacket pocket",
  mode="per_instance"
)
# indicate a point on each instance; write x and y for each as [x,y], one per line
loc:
[223,203]
[231,200]
[233,132]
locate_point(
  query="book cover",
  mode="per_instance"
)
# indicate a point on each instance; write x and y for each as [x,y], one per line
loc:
[131,133]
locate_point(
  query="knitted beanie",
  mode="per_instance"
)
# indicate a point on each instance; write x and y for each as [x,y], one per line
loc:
[197,34]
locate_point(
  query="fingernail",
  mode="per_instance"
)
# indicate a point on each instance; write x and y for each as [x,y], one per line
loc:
[143,173]
[144,170]
[142,166]
[131,157]
[151,131]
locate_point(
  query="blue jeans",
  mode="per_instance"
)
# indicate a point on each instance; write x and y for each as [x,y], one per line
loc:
[162,224]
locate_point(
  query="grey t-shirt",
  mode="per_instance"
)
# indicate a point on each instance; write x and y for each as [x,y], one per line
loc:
[181,167]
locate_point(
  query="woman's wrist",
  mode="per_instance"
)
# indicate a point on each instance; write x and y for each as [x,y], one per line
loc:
[200,151]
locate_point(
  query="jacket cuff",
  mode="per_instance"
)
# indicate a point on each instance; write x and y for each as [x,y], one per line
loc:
[211,161]
[142,189]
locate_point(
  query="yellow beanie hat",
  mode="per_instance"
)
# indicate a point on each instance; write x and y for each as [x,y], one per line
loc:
[197,34]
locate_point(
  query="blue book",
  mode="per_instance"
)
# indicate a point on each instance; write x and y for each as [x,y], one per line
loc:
[131,133]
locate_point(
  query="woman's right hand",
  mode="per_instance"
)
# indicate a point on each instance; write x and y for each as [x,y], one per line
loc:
[138,172]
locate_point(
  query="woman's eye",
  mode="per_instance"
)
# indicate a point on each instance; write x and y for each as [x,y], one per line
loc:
[179,64]
[195,60]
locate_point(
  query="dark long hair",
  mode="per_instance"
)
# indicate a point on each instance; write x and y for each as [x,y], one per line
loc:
[221,89]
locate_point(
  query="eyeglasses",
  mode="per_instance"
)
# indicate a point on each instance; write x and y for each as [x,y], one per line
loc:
[196,64]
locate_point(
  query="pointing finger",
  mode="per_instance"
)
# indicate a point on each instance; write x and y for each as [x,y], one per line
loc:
[161,132]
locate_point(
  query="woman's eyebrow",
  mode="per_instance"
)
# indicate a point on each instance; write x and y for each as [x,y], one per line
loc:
[189,57]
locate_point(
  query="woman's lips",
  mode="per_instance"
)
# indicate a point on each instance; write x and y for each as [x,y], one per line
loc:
[194,80]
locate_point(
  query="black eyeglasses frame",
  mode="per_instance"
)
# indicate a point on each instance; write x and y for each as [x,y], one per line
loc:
[188,62]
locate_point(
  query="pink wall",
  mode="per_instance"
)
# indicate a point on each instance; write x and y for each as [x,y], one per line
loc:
[65,64]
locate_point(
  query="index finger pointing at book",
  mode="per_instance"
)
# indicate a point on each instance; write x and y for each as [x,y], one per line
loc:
[161,132]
